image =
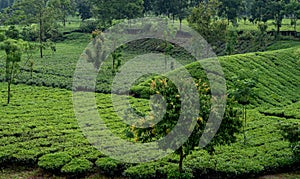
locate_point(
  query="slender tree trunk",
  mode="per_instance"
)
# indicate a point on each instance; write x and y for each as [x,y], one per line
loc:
[41,35]
[180,159]
[8,92]
[64,22]
[9,81]
[278,30]
[295,27]
[180,22]
[245,123]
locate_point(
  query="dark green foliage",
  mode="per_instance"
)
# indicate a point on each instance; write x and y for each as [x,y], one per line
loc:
[156,170]
[140,91]
[230,125]
[110,166]
[84,9]
[264,152]
[107,11]
[291,132]
[293,10]
[54,162]
[77,166]
[5,3]
[2,37]
[89,26]
[231,41]
[13,50]
[29,33]
[230,9]
[204,20]
[12,33]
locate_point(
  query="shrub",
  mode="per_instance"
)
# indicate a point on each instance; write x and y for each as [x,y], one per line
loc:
[29,33]
[157,170]
[88,26]
[2,37]
[140,91]
[54,162]
[291,132]
[77,166]
[12,33]
[109,166]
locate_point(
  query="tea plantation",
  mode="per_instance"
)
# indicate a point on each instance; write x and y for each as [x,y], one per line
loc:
[39,128]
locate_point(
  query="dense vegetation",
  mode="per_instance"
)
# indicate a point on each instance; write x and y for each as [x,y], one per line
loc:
[39,124]
[257,43]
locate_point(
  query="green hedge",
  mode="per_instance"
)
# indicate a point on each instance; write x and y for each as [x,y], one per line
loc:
[54,162]
[77,166]
[157,170]
[110,166]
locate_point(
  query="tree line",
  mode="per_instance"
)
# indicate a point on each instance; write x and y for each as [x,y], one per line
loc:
[106,11]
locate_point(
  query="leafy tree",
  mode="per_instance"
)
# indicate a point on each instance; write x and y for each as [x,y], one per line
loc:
[107,11]
[174,8]
[292,10]
[231,41]
[162,7]
[12,33]
[170,93]
[43,12]
[84,8]
[260,11]
[245,9]
[67,7]
[203,19]
[230,9]
[243,91]
[148,6]
[277,10]
[13,50]
[180,10]
[262,35]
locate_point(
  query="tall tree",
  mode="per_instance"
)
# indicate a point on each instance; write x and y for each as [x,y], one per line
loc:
[260,11]
[43,12]
[107,11]
[148,6]
[292,10]
[277,11]
[13,52]
[203,19]
[67,7]
[84,9]
[180,10]
[231,124]
[243,92]
[230,9]
[162,7]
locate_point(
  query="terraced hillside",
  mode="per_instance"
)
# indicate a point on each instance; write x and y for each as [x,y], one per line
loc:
[277,74]
[39,127]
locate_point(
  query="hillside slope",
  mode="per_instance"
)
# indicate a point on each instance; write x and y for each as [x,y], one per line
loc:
[277,74]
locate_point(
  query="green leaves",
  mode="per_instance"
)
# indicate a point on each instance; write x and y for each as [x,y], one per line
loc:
[77,166]
[243,87]
[109,166]
[54,162]
[203,19]
[107,11]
